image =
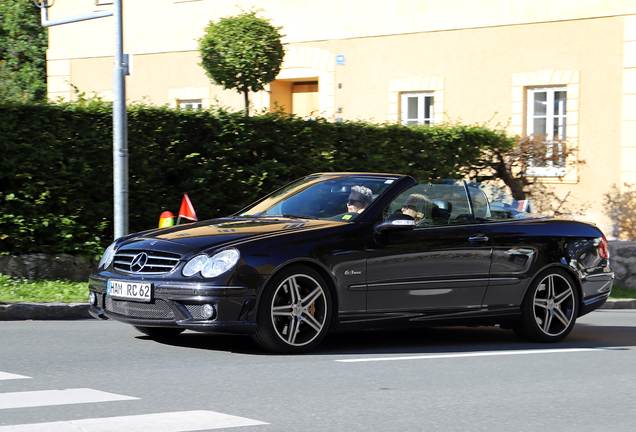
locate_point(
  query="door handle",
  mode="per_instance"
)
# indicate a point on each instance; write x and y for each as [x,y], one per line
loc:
[478,238]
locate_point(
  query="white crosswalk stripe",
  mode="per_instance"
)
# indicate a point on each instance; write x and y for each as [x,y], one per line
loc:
[163,422]
[10,376]
[160,422]
[32,399]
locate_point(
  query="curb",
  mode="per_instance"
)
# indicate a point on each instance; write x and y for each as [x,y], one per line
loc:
[64,311]
[619,304]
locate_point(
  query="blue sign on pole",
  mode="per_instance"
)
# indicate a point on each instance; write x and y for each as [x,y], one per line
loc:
[340,59]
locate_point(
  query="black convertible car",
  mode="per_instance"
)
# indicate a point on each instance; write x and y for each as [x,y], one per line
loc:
[356,250]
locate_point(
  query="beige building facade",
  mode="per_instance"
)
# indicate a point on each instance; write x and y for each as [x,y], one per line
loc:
[563,68]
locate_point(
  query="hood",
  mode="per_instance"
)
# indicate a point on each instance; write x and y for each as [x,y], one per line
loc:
[217,232]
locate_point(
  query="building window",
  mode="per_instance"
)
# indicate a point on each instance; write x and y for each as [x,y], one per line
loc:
[547,112]
[194,104]
[547,118]
[417,108]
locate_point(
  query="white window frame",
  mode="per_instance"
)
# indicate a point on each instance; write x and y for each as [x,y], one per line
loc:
[555,118]
[425,101]
[195,104]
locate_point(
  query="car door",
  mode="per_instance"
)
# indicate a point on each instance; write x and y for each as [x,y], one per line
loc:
[441,264]
[515,245]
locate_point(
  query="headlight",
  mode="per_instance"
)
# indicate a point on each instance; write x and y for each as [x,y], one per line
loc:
[212,266]
[108,256]
[195,265]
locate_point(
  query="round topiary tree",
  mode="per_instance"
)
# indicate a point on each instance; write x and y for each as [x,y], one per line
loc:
[242,52]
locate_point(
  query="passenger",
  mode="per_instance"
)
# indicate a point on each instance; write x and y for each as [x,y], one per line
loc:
[419,207]
[359,199]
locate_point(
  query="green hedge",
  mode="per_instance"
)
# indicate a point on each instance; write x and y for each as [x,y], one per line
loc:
[56,164]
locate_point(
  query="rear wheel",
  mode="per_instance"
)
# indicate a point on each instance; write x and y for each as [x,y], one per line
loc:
[160,332]
[294,312]
[550,308]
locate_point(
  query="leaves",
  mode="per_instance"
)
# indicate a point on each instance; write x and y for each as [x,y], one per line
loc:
[619,205]
[56,190]
[23,44]
[243,52]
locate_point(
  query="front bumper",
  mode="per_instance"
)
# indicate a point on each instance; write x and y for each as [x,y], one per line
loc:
[180,305]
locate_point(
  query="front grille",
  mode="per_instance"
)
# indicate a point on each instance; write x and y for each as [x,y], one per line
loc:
[157,309]
[145,262]
[196,311]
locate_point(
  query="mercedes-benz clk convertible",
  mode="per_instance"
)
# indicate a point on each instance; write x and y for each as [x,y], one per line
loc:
[335,251]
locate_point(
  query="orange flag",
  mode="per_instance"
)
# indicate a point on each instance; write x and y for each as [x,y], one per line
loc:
[187,211]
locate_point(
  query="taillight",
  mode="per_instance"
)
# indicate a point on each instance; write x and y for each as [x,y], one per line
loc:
[603,249]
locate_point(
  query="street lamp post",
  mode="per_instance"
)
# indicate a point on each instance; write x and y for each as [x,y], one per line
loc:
[120,129]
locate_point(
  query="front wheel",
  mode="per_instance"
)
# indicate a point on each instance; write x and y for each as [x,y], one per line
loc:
[550,308]
[294,311]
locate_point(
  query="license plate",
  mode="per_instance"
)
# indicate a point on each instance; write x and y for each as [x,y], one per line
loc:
[137,291]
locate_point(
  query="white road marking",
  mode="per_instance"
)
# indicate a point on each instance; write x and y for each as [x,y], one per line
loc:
[475,354]
[31,399]
[163,422]
[10,376]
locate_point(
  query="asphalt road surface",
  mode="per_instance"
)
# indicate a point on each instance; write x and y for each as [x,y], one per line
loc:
[104,376]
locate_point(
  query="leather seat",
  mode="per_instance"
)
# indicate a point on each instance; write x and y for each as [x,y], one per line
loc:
[441,210]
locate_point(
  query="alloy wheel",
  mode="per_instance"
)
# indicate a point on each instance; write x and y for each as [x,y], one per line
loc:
[298,310]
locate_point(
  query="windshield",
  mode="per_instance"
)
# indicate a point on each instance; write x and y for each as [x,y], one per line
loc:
[325,196]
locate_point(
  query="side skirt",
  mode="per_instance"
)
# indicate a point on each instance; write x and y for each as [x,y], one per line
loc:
[503,316]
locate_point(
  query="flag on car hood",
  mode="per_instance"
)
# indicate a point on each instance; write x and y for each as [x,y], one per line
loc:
[187,210]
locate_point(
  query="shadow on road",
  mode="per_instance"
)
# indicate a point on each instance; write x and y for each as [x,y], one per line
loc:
[422,340]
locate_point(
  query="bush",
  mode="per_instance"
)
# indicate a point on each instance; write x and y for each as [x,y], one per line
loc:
[620,206]
[56,193]
[53,165]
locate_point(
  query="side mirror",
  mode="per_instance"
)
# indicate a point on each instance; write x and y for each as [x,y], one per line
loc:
[394,222]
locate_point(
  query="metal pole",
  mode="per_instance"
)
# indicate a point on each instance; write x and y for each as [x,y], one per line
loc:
[120,128]
[49,23]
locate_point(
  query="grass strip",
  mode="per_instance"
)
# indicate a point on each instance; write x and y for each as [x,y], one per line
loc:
[17,290]
[623,292]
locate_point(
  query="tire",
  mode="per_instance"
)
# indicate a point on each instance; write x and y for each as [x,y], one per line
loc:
[160,332]
[550,308]
[294,312]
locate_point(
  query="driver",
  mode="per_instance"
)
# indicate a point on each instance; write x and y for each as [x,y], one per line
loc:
[359,199]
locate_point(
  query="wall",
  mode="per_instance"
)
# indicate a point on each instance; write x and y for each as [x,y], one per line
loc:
[623,260]
[477,57]
[47,267]
[174,25]
[64,266]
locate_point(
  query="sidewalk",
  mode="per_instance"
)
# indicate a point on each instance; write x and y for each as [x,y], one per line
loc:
[63,311]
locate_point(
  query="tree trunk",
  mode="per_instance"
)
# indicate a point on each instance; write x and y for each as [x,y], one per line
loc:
[515,184]
[247,103]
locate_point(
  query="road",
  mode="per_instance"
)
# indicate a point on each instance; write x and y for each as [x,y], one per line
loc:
[104,376]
